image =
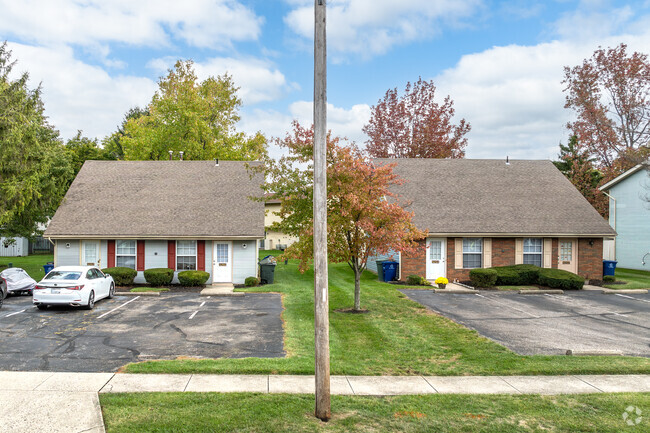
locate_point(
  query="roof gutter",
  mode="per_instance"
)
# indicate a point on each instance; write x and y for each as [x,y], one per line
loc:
[165,237]
[519,235]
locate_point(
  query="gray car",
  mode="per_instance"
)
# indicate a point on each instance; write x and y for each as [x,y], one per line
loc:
[17,281]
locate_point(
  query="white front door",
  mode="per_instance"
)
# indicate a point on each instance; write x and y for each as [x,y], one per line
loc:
[90,253]
[568,255]
[222,262]
[436,255]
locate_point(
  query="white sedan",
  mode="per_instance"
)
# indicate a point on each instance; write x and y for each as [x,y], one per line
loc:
[73,285]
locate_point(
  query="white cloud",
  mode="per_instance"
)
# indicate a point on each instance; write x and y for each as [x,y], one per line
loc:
[78,95]
[258,80]
[201,23]
[371,27]
[513,97]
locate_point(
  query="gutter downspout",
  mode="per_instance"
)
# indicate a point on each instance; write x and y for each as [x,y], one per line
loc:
[614,200]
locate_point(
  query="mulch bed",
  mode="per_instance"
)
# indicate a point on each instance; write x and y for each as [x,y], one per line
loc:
[351,311]
[175,288]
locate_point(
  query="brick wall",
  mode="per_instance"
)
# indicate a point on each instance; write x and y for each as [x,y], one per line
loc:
[503,251]
[590,258]
[415,264]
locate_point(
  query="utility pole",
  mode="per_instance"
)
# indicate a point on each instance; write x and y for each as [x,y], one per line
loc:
[321,303]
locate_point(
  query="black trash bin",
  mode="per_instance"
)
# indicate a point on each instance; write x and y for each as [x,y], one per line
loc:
[267,269]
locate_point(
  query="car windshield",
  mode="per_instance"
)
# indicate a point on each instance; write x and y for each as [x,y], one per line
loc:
[63,275]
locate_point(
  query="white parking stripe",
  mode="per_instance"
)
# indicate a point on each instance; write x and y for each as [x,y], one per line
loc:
[506,305]
[193,314]
[17,312]
[631,297]
[202,304]
[118,307]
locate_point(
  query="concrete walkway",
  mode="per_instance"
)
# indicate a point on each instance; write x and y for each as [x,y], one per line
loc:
[42,401]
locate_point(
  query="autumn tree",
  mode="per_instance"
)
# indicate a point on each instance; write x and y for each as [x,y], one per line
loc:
[414,125]
[575,163]
[610,94]
[195,117]
[34,166]
[364,217]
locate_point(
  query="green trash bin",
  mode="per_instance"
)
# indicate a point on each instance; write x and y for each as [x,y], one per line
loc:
[267,270]
[380,269]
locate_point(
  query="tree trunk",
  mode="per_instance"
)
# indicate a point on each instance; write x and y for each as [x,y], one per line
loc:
[357,287]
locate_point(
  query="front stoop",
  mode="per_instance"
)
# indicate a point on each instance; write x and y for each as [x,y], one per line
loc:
[220,289]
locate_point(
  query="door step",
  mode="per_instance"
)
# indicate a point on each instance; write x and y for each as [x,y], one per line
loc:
[220,289]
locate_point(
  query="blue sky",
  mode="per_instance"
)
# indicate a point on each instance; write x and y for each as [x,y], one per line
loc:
[500,61]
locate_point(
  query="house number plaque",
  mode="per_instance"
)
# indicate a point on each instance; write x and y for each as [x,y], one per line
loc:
[435,261]
[566,262]
[222,264]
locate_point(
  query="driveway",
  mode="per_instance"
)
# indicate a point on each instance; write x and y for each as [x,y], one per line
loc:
[550,324]
[130,329]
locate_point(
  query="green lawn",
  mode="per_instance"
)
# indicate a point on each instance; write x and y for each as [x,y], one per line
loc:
[149,289]
[634,279]
[32,264]
[397,337]
[203,412]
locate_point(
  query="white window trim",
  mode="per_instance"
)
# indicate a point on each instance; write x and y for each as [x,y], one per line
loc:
[195,255]
[540,253]
[480,254]
[134,255]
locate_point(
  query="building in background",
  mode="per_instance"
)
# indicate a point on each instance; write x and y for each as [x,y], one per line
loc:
[274,240]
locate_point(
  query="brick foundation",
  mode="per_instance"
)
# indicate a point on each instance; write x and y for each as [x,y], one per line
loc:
[414,264]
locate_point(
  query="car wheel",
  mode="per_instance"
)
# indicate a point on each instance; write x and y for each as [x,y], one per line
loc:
[41,306]
[91,301]
[2,299]
[111,291]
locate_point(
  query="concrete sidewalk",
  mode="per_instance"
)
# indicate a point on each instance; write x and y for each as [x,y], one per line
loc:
[68,402]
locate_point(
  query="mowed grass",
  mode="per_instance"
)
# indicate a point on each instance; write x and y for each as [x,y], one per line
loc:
[203,412]
[145,289]
[33,264]
[633,278]
[397,337]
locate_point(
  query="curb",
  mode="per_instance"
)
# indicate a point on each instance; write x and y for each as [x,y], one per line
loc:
[454,291]
[137,293]
[223,295]
[594,353]
[624,291]
[541,292]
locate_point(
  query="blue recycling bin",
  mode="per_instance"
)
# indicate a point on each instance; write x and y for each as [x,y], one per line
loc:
[390,270]
[48,268]
[609,267]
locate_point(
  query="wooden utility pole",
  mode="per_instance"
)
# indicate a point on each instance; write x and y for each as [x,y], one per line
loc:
[321,303]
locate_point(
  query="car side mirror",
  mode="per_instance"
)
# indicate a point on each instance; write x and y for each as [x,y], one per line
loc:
[107,275]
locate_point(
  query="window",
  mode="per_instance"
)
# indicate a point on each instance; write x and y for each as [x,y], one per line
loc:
[186,255]
[533,251]
[472,253]
[222,253]
[566,251]
[125,254]
[435,250]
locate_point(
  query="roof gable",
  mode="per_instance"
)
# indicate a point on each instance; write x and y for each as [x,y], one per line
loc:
[149,199]
[465,196]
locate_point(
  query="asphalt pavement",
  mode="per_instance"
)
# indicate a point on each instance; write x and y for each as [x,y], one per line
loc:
[131,329]
[583,322]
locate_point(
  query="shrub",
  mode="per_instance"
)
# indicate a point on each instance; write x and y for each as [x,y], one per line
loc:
[159,276]
[193,278]
[416,280]
[559,279]
[609,278]
[121,276]
[483,277]
[517,275]
[252,282]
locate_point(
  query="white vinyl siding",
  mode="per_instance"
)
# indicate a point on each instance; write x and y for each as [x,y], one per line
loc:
[533,251]
[472,253]
[67,252]
[186,255]
[125,253]
[155,254]
[244,261]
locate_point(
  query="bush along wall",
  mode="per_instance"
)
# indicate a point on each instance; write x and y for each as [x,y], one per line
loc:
[521,275]
[193,278]
[121,276]
[483,277]
[159,276]
[559,279]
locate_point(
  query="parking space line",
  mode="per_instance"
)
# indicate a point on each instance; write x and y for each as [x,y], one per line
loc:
[14,313]
[193,314]
[632,297]
[202,304]
[118,307]
[595,310]
[506,305]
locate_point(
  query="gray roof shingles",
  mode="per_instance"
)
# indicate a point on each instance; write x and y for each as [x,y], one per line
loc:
[465,196]
[152,199]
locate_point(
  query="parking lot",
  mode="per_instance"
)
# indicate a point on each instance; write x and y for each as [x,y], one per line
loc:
[138,328]
[550,324]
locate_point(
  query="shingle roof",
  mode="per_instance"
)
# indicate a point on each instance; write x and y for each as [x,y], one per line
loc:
[148,199]
[465,196]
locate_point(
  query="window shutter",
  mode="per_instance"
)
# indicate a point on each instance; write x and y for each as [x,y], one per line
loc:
[140,256]
[200,255]
[519,251]
[171,254]
[487,252]
[548,249]
[110,248]
[458,253]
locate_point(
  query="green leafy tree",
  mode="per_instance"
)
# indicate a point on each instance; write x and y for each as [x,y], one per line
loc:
[112,144]
[364,217]
[82,149]
[195,117]
[35,168]
[578,167]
